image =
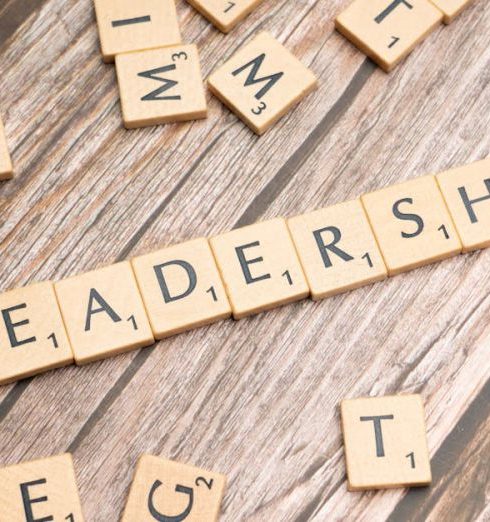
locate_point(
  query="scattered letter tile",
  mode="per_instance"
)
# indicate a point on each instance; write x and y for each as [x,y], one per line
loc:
[261,82]
[103,313]
[260,267]
[181,288]
[6,169]
[32,335]
[385,442]
[161,86]
[451,8]
[467,194]
[388,30]
[225,14]
[167,490]
[412,224]
[337,249]
[40,491]
[126,25]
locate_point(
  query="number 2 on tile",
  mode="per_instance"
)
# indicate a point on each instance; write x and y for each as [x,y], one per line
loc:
[207,483]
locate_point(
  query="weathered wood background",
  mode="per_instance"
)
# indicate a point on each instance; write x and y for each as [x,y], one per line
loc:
[258,399]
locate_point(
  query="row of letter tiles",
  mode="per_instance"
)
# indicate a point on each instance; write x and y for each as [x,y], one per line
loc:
[385,442]
[6,169]
[388,30]
[248,270]
[127,26]
[46,489]
[225,14]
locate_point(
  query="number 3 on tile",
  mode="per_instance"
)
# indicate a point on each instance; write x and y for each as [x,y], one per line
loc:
[179,56]
[260,109]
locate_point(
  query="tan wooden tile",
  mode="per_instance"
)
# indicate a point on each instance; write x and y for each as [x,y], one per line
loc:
[161,86]
[127,26]
[467,194]
[181,288]
[170,491]
[388,30]
[261,82]
[103,313]
[451,8]
[6,169]
[260,267]
[337,249]
[32,334]
[225,14]
[412,224]
[385,442]
[40,491]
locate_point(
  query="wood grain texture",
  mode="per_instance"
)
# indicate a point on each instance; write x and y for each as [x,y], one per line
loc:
[258,399]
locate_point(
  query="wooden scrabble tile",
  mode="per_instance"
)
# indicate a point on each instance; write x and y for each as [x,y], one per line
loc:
[388,30]
[385,442]
[161,86]
[223,13]
[127,26]
[181,288]
[40,491]
[103,313]
[451,8]
[337,249]
[261,82]
[32,334]
[170,491]
[467,194]
[411,224]
[6,169]
[260,267]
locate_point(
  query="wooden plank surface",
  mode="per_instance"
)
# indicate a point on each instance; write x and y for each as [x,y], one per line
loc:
[256,399]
